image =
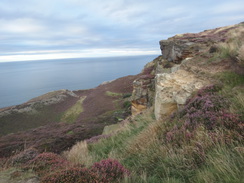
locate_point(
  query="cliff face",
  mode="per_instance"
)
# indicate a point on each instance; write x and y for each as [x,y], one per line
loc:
[188,62]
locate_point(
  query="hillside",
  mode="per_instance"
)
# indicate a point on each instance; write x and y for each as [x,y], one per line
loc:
[57,120]
[187,122]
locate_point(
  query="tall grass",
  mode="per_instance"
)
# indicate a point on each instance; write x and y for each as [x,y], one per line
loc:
[233,47]
[223,164]
[79,154]
[233,91]
[203,142]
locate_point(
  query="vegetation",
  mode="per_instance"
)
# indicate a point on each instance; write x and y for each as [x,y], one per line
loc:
[200,143]
[113,94]
[73,113]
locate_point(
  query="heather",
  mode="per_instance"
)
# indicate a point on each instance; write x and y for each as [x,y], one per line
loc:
[202,142]
[53,168]
[199,140]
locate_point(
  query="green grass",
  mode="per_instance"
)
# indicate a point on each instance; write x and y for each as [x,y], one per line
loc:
[230,79]
[106,147]
[233,91]
[141,152]
[73,113]
[15,175]
[141,147]
[223,164]
[113,94]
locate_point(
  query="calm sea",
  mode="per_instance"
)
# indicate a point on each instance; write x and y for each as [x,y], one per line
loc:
[21,81]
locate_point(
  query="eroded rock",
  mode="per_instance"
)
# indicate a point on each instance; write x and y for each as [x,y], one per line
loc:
[177,50]
[173,89]
[142,95]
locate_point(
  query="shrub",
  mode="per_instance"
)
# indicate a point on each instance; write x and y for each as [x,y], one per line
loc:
[109,170]
[71,175]
[25,156]
[127,95]
[46,162]
[127,104]
[148,70]
[204,108]
[209,109]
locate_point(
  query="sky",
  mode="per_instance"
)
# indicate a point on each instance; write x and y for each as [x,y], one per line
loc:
[54,29]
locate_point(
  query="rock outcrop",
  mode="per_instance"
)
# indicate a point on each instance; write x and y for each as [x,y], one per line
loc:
[175,76]
[141,95]
[143,89]
[47,99]
[176,51]
[173,89]
[182,46]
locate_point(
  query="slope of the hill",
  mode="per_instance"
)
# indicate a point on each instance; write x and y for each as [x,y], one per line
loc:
[187,123]
[56,120]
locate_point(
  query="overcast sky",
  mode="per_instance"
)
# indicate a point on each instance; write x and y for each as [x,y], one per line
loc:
[42,29]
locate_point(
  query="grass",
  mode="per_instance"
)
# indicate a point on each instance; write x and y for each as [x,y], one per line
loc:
[113,94]
[223,164]
[201,143]
[232,48]
[171,150]
[233,90]
[15,175]
[45,115]
[73,113]
[79,154]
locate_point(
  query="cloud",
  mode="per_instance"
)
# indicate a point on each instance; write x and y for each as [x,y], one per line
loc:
[34,25]
[61,54]
[235,6]
[21,25]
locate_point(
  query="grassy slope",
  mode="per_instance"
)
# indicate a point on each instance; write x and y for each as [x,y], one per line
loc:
[71,115]
[202,143]
[193,154]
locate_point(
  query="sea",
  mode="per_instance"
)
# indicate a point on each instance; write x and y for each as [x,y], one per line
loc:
[23,80]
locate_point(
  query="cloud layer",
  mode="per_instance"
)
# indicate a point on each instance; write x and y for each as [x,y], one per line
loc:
[78,28]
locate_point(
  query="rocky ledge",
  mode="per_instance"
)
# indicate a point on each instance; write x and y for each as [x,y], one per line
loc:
[184,67]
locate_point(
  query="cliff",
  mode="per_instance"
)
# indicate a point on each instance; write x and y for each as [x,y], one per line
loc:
[188,63]
[187,121]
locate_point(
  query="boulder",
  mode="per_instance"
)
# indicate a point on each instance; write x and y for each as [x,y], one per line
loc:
[173,89]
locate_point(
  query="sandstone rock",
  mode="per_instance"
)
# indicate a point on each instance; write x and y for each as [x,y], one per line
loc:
[143,92]
[177,50]
[172,90]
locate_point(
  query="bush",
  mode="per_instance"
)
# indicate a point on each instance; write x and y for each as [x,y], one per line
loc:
[71,175]
[127,104]
[204,108]
[109,170]
[209,109]
[127,95]
[46,162]
[25,156]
